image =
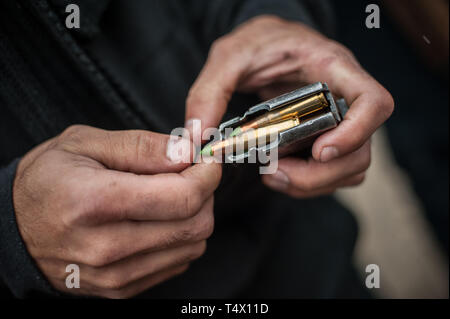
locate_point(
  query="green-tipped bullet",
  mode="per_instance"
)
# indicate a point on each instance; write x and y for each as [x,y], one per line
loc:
[207,150]
[237,131]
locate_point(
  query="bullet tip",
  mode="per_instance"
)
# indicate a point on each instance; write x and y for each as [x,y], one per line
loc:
[236,132]
[207,150]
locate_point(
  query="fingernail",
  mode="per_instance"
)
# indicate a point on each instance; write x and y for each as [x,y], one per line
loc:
[179,150]
[328,153]
[279,180]
[189,123]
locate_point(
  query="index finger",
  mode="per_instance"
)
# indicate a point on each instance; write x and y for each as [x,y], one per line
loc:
[125,196]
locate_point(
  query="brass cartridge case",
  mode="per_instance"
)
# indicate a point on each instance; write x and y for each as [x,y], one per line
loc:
[300,109]
[252,137]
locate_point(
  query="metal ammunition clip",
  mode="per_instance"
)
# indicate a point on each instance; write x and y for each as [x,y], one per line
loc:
[299,137]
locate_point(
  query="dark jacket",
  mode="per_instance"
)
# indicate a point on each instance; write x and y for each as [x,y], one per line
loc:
[130,66]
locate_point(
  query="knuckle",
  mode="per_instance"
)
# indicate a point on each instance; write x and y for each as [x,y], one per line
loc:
[72,196]
[305,185]
[357,139]
[183,235]
[385,103]
[334,53]
[71,139]
[101,254]
[112,281]
[192,202]
[221,45]
[72,134]
[327,61]
[93,260]
[342,52]
[144,144]
[74,218]
[204,226]
[355,180]
[199,250]
[198,228]
[72,130]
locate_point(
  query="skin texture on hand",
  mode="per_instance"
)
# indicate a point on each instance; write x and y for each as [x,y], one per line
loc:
[270,56]
[114,204]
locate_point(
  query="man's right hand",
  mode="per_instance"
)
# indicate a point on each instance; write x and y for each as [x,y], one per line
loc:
[114,204]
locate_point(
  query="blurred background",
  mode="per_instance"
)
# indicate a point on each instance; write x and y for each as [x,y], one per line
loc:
[402,208]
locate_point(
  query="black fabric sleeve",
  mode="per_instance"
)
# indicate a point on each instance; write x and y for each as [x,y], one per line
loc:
[217,18]
[17,269]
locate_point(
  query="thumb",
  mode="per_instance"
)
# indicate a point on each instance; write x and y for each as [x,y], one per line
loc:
[136,151]
[209,96]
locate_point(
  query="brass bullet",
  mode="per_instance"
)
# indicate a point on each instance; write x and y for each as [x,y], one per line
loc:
[298,109]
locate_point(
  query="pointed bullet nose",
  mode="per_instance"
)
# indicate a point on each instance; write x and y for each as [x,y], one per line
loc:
[207,150]
[236,132]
